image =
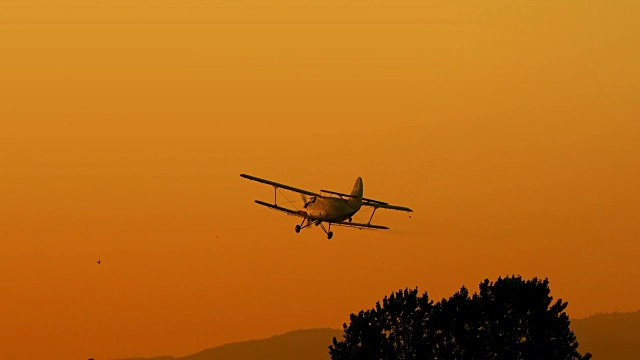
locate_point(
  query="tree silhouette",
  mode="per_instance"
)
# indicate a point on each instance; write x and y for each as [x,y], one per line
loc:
[508,319]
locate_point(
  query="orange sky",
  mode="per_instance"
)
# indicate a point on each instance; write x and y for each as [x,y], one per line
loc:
[511,130]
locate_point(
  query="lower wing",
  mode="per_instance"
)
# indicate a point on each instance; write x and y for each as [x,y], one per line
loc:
[280,208]
[360,226]
[304,215]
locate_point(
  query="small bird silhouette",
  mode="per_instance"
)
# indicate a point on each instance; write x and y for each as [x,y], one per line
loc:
[98,262]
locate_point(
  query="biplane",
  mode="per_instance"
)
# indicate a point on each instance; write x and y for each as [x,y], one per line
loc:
[334,208]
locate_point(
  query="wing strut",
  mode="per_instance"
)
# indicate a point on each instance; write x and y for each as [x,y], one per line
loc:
[371,218]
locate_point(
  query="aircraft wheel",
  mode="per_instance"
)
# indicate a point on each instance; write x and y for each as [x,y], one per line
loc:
[330,235]
[349,219]
[297,228]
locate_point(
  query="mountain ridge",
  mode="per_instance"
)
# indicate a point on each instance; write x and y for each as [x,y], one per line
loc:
[311,344]
[605,335]
[609,335]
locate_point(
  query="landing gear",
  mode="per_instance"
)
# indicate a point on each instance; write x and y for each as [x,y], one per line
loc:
[327,231]
[305,223]
[350,219]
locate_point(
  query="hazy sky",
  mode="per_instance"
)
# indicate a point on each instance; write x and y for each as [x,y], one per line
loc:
[511,129]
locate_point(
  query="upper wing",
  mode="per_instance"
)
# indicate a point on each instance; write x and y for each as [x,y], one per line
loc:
[371,202]
[378,204]
[350,196]
[360,226]
[278,185]
[280,208]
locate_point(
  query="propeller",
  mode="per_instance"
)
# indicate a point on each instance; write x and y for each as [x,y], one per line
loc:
[307,201]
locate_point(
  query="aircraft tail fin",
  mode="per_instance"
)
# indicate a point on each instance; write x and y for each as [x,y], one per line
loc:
[357,189]
[356,193]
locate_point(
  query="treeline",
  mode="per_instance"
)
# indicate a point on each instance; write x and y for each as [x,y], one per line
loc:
[510,318]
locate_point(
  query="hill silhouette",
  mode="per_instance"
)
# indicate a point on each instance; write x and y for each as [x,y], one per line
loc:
[309,344]
[607,336]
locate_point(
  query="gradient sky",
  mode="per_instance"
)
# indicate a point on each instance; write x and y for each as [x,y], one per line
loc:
[511,129]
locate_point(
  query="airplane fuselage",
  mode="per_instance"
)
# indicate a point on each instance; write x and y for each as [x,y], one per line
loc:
[331,209]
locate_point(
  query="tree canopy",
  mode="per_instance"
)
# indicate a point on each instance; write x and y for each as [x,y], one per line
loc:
[510,318]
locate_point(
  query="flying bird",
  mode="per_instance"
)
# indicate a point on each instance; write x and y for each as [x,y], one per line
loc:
[98,262]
